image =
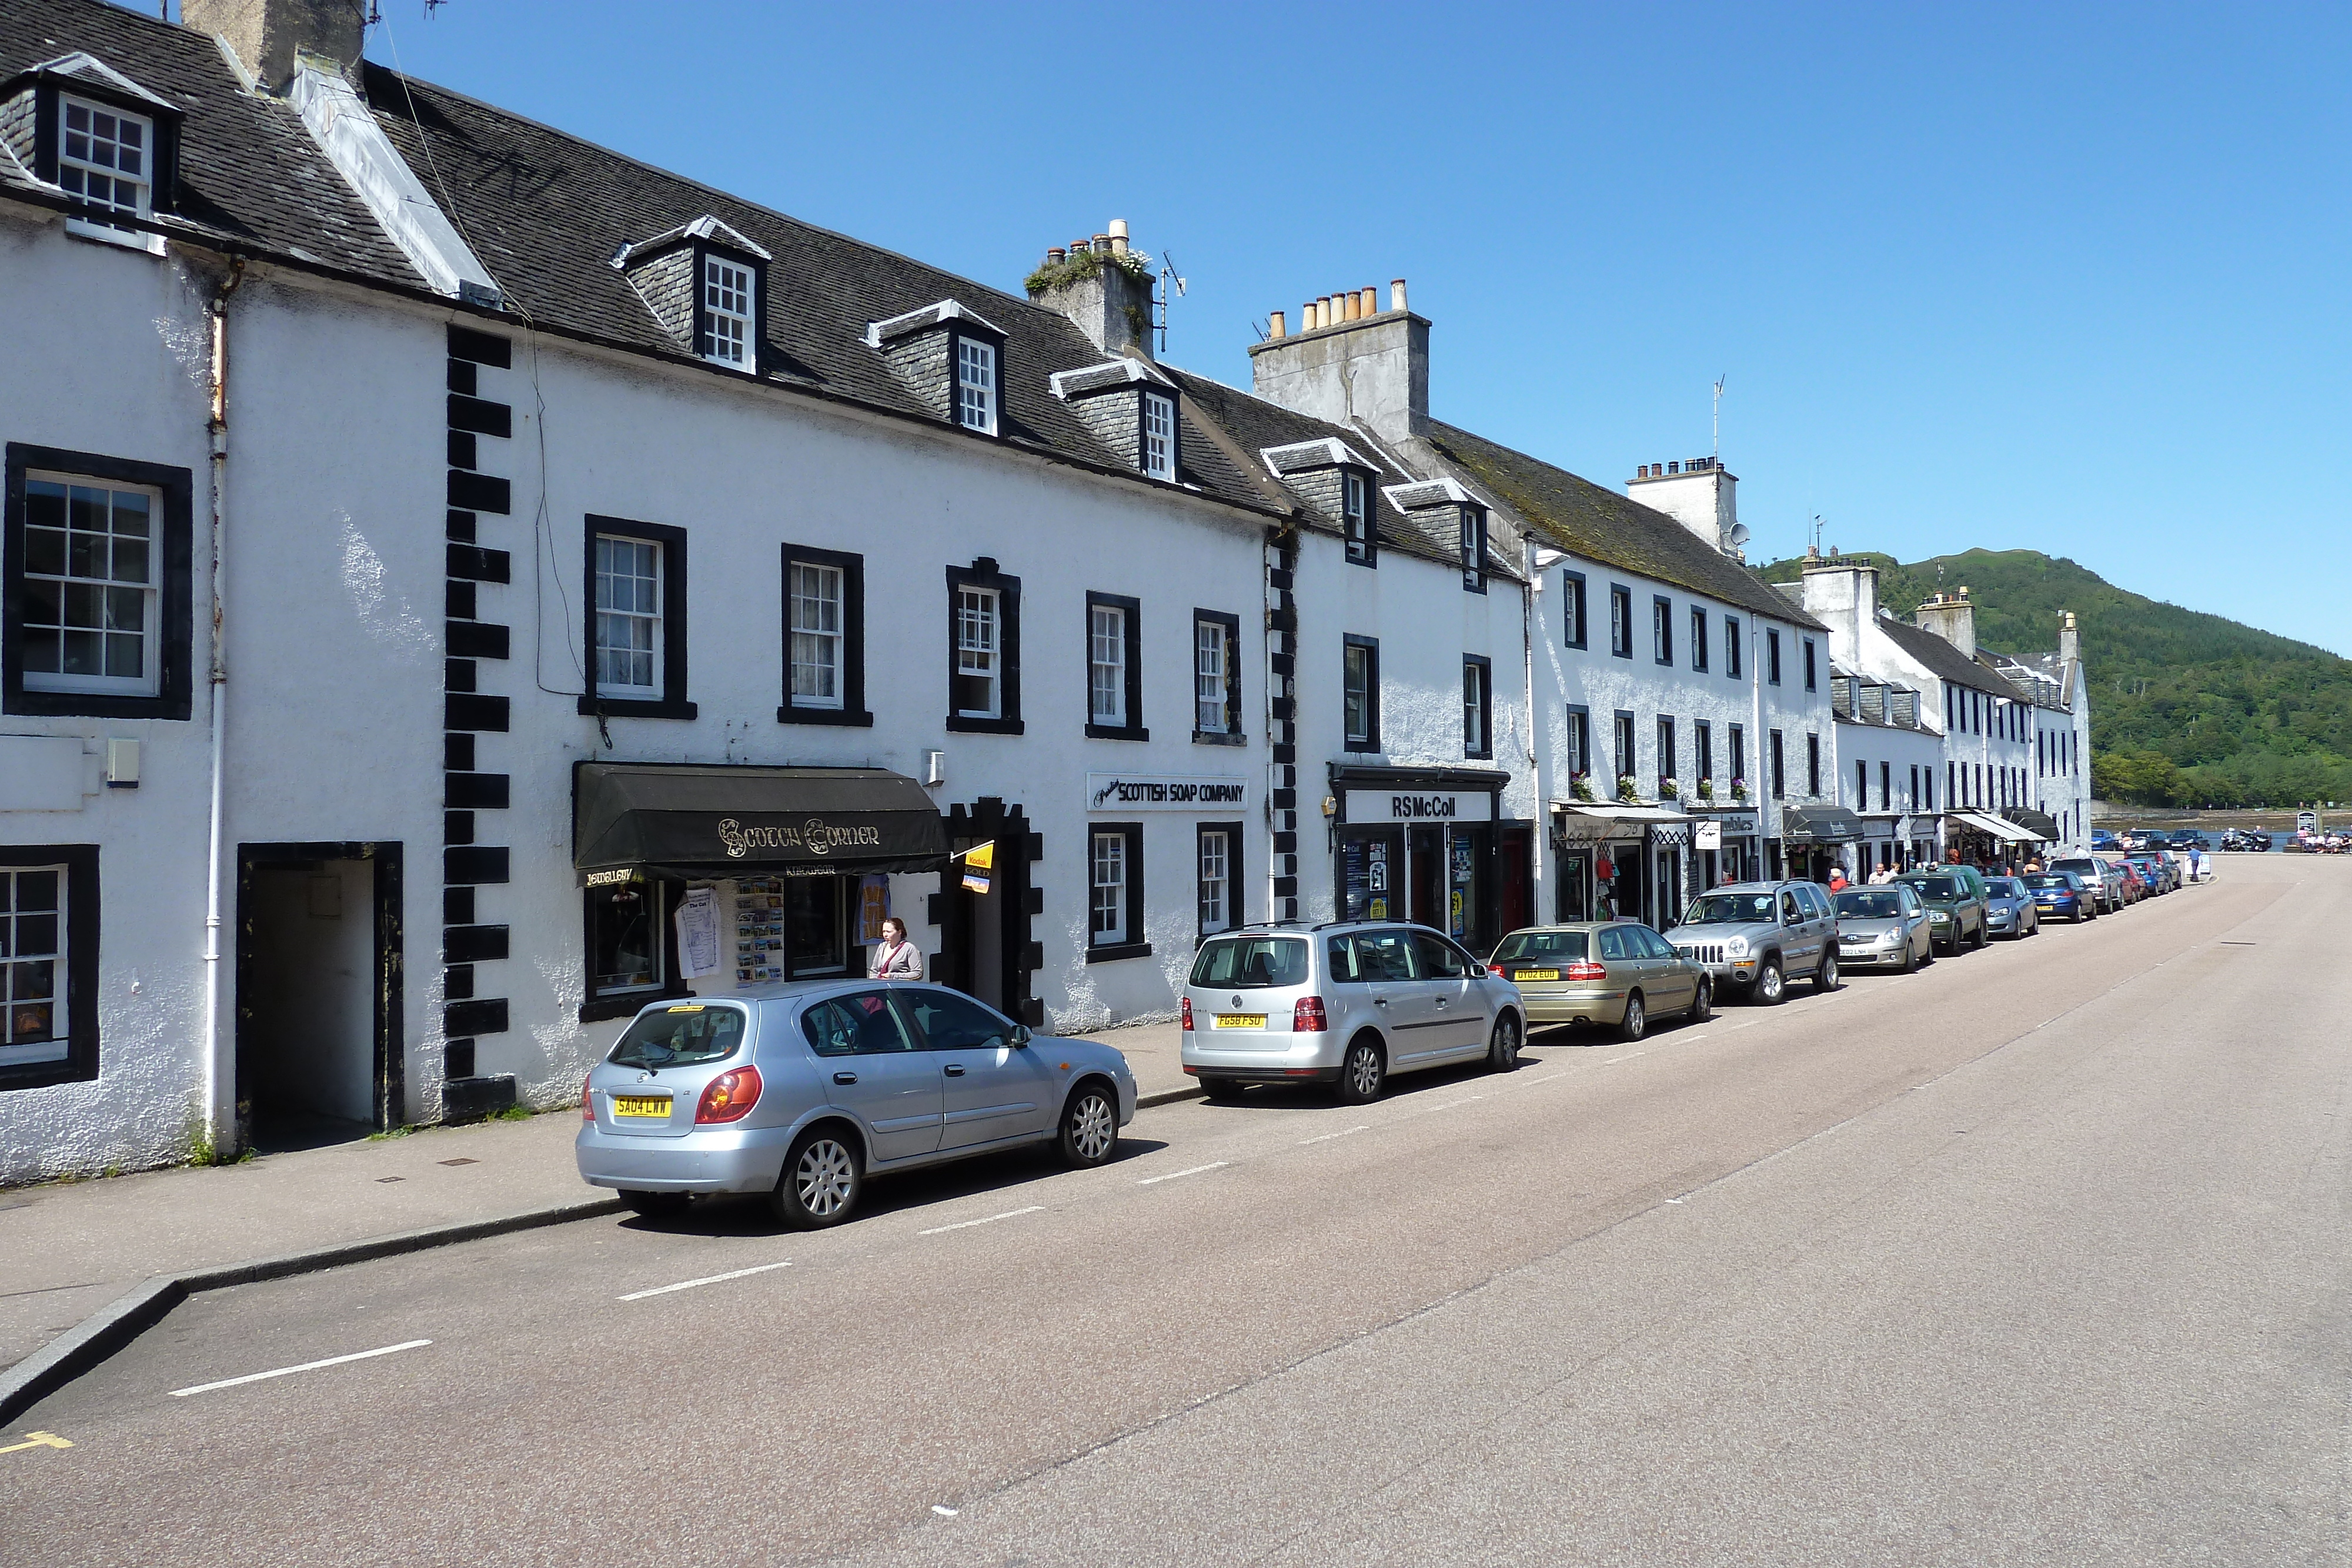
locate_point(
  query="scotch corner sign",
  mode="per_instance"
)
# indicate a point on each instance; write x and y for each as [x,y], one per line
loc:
[1165,792]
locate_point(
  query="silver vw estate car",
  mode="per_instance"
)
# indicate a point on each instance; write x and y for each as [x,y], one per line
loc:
[1345,1004]
[802,1091]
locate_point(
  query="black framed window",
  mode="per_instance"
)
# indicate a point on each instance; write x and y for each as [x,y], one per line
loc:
[979,382]
[1734,650]
[1703,744]
[1624,747]
[1812,764]
[1669,755]
[1579,741]
[48,986]
[1913,796]
[1862,786]
[1157,444]
[1662,629]
[626,930]
[825,637]
[1887,786]
[1620,620]
[1738,741]
[1478,706]
[1361,694]
[1474,549]
[98,587]
[1772,655]
[1572,607]
[1216,678]
[1356,524]
[984,649]
[635,595]
[1115,668]
[1114,891]
[1219,862]
[1811,673]
[727,314]
[1780,768]
[1698,638]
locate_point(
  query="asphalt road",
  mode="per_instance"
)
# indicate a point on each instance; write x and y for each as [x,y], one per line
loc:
[2035,1257]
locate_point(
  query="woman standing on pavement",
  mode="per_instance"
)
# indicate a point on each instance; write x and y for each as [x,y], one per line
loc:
[895,958]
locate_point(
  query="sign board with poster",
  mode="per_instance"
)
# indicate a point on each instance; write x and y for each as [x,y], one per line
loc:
[1706,836]
[873,907]
[1364,878]
[697,932]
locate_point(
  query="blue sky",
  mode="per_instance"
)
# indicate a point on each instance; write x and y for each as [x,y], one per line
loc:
[2066,278]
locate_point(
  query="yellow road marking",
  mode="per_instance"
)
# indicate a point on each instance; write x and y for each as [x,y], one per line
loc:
[37,1440]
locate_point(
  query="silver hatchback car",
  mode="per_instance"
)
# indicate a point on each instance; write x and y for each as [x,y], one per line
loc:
[1346,1004]
[802,1091]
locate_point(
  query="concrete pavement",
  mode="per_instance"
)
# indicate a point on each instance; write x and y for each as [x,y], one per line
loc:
[2032,1257]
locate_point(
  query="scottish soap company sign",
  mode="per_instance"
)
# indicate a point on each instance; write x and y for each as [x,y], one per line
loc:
[1165,792]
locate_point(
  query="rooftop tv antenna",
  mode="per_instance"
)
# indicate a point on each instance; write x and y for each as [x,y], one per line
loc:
[1817,533]
[1167,277]
[1718,412]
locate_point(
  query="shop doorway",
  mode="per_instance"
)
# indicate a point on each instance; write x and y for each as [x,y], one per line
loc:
[318,993]
[1518,879]
[1575,886]
[1620,892]
[1667,909]
[1426,873]
[985,946]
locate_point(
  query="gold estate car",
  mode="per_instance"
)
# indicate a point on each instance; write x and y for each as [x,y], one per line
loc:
[1601,972]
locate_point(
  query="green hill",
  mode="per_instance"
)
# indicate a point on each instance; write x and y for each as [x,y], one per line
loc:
[2187,709]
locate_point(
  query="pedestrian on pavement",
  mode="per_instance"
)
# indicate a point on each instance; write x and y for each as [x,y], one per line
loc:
[1837,879]
[895,958]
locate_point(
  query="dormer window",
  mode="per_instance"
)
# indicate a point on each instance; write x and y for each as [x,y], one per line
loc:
[1159,436]
[104,157]
[976,385]
[727,289]
[1474,549]
[1355,516]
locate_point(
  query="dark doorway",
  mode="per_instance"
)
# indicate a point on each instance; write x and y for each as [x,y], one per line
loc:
[1575,885]
[1427,876]
[1519,879]
[1621,891]
[985,946]
[318,974]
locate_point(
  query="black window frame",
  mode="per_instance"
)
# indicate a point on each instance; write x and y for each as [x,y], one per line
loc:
[1236,916]
[959,328]
[1579,741]
[1703,750]
[1662,629]
[163,123]
[1735,751]
[1574,628]
[1812,666]
[1364,551]
[1861,784]
[983,572]
[1473,545]
[1625,749]
[1134,947]
[1698,648]
[1235,733]
[1130,611]
[852,713]
[83,929]
[1771,655]
[1621,626]
[1734,650]
[1813,765]
[704,252]
[174,597]
[1779,765]
[672,703]
[1484,751]
[1143,432]
[595,1007]
[1887,786]
[1669,745]
[1371,646]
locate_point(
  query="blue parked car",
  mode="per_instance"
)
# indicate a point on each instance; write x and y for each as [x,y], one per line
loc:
[2102,839]
[2061,894]
[2009,908]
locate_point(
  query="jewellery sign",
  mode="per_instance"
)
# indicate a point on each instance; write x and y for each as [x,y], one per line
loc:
[1165,792]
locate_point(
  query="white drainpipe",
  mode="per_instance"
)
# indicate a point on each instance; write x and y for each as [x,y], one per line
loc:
[215,1124]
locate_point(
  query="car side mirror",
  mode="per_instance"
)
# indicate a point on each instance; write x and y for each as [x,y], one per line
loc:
[1020,1036]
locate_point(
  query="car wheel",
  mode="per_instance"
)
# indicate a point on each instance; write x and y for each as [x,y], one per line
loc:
[1825,974]
[1771,986]
[1089,1127]
[1984,937]
[1224,1090]
[657,1205]
[1702,1006]
[1503,1049]
[823,1178]
[1910,959]
[1363,1074]
[1636,1023]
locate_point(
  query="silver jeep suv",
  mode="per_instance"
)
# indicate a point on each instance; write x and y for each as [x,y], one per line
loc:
[1346,1004]
[1759,935]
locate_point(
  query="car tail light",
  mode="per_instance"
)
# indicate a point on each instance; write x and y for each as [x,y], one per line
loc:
[1498,971]
[587,1103]
[729,1096]
[1307,1018]
[1186,1003]
[1586,971]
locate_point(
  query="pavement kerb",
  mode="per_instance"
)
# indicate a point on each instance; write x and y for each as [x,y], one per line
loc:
[91,1342]
[1169,1096]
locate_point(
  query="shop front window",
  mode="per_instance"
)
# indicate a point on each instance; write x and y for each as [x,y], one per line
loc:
[624,938]
[817,925]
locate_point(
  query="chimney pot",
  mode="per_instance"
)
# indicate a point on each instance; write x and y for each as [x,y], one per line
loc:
[1323,311]
[1355,305]
[1396,294]
[1102,242]
[1055,252]
[1275,326]
[1119,236]
[1371,299]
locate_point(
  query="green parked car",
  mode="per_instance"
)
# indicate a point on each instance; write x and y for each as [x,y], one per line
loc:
[1956,904]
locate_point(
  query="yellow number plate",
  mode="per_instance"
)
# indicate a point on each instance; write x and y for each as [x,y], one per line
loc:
[1536,975]
[641,1105]
[1241,1020]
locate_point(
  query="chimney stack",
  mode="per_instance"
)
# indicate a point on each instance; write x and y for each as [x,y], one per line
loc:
[267,35]
[1110,305]
[1951,617]
[1373,369]
[1844,596]
[2070,639]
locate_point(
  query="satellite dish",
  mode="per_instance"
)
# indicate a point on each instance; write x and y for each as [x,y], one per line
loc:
[1738,535]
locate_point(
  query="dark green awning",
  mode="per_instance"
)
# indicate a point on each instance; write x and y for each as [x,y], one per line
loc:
[1821,825]
[697,820]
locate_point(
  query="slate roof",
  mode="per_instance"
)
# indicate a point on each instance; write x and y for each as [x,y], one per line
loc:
[250,177]
[1947,662]
[1602,526]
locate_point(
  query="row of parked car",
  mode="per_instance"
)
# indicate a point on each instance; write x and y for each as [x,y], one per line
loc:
[801,1091]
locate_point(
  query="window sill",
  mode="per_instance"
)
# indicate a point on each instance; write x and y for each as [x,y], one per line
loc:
[45,1074]
[1218,738]
[94,704]
[1361,747]
[1485,756]
[1117,732]
[960,724]
[848,717]
[1372,561]
[597,1010]
[1110,953]
[632,708]
[106,234]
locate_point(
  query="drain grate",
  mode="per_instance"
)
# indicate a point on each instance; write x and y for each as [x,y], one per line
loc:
[457,1162]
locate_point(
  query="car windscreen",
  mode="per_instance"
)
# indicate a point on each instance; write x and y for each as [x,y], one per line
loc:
[2003,888]
[1251,963]
[2086,867]
[2046,880]
[1935,886]
[1729,909]
[1543,946]
[680,1035]
[1869,903]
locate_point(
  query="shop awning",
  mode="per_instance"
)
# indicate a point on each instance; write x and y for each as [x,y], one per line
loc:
[2006,831]
[707,821]
[1821,825]
[1593,822]
[2041,824]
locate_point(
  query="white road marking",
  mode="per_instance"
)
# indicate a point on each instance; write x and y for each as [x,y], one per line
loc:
[988,1219]
[1613,1060]
[706,1279]
[306,1366]
[1196,1170]
[1463,1101]
[1326,1138]
[944,1511]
